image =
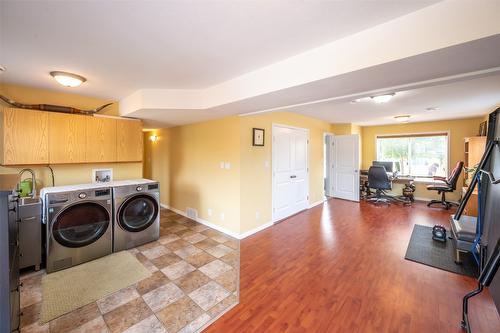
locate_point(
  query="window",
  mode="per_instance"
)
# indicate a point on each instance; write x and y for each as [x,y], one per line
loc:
[420,155]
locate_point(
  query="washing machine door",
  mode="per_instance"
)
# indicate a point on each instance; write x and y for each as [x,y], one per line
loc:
[80,224]
[138,212]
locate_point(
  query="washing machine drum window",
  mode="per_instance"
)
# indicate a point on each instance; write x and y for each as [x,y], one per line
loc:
[81,224]
[137,213]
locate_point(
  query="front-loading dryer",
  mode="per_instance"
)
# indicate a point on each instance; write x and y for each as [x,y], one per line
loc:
[136,214]
[79,226]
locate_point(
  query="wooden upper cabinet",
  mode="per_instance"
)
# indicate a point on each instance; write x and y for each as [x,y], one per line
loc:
[25,137]
[129,140]
[32,137]
[67,138]
[101,139]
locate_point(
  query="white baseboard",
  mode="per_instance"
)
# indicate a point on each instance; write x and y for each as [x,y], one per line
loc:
[314,204]
[255,230]
[204,222]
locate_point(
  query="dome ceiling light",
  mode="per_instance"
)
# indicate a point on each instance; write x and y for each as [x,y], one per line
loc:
[68,79]
[403,119]
[382,98]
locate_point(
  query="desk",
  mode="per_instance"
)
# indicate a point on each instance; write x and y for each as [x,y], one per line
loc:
[407,181]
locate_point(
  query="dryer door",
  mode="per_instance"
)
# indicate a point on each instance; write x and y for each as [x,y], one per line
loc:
[80,224]
[138,212]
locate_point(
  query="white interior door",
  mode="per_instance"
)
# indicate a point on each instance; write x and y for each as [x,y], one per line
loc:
[346,167]
[290,171]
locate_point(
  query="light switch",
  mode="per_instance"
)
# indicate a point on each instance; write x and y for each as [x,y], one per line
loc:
[227,165]
[266,164]
[221,165]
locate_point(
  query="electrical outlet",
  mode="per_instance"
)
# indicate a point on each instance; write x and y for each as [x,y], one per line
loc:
[209,212]
[222,216]
[257,215]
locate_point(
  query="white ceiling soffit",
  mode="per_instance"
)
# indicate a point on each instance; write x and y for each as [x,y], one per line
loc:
[403,51]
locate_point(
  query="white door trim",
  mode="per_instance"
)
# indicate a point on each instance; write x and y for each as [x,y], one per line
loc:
[275,125]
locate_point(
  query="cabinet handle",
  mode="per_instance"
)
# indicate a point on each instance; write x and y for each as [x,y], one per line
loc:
[29,218]
[293,176]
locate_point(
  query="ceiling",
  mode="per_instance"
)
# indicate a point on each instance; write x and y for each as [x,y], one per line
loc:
[124,46]
[460,99]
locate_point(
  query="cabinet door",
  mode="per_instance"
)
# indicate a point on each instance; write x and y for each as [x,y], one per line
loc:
[25,137]
[129,140]
[101,139]
[67,139]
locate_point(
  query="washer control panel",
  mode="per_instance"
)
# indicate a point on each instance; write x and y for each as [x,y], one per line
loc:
[82,195]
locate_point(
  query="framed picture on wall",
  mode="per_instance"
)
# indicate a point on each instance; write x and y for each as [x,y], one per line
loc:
[482,128]
[258,137]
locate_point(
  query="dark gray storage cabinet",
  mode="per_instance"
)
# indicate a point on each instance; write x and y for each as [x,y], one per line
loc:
[9,258]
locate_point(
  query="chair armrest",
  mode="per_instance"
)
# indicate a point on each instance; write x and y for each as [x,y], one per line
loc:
[439,178]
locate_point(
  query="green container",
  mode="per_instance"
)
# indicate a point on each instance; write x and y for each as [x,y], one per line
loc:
[25,187]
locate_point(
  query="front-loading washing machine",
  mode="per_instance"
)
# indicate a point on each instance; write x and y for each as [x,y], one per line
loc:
[136,213]
[79,226]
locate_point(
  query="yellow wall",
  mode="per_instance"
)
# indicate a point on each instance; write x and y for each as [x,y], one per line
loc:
[75,173]
[341,129]
[458,129]
[186,159]
[157,161]
[196,179]
[256,181]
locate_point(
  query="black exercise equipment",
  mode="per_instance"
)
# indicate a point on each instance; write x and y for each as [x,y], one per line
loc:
[485,278]
[439,233]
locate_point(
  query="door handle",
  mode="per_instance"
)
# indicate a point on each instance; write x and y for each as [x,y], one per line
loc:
[293,176]
[355,171]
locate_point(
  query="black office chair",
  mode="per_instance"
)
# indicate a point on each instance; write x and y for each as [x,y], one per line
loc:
[449,185]
[380,182]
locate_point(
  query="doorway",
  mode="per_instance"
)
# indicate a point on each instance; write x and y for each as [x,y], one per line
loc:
[328,164]
[290,171]
[346,167]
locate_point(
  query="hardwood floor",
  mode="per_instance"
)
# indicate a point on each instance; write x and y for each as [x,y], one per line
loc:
[340,267]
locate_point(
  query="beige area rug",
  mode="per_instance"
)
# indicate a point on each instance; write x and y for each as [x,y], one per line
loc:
[72,288]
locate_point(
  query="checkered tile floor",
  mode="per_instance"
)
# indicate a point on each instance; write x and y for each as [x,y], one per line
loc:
[195,279]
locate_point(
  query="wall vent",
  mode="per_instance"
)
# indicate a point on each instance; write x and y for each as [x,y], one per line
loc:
[192,213]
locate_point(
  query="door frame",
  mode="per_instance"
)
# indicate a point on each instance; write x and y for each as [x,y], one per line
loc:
[329,192]
[273,193]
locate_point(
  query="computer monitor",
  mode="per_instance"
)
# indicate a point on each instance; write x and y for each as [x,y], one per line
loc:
[389,166]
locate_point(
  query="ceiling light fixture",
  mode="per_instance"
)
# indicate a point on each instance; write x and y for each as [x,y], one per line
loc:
[432,108]
[382,98]
[68,79]
[403,119]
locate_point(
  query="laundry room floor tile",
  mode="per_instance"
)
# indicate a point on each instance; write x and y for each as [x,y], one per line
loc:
[194,280]
[179,314]
[127,315]
[155,252]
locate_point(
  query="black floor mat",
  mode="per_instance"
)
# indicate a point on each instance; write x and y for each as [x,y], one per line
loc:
[423,249]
